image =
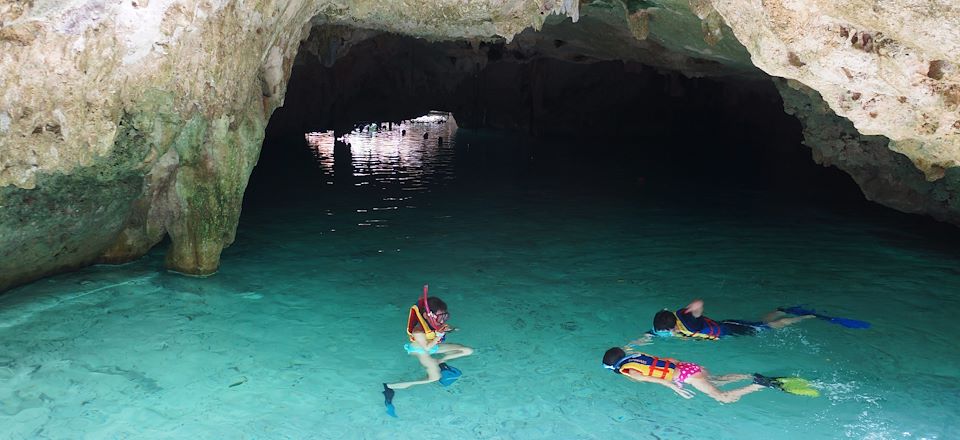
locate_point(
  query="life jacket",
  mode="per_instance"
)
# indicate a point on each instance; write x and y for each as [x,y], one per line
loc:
[647,365]
[710,330]
[416,317]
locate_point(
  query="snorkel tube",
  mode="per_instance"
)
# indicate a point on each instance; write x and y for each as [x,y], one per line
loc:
[431,317]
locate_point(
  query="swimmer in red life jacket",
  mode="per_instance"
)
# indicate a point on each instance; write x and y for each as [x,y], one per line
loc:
[689,322]
[426,328]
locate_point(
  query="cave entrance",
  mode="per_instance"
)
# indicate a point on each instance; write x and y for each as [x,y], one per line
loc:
[563,113]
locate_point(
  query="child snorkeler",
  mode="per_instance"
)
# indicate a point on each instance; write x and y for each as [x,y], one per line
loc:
[427,328]
[689,322]
[673,374]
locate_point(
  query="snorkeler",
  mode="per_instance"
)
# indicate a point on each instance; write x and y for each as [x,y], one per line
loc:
[673,374]
[427,329]
[689,322]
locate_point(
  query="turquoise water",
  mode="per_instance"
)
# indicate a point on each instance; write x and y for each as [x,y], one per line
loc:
[544,262]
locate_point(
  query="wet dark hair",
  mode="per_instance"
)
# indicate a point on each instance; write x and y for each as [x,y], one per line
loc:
[436,304]
[664,320]
[613,355]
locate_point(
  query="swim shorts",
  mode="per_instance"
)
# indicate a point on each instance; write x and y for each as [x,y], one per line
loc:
[684,371]
[414,348]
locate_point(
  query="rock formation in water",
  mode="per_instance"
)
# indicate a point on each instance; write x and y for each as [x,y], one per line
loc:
[125,122]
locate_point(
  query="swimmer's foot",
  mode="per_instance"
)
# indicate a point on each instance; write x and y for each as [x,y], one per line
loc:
[388,400]
[448,374]
[769,382]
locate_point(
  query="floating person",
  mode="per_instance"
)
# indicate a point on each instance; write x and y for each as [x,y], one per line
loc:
[673,374]
[689,322]
[440,140]
[403,132]
[427,328]
[426,135]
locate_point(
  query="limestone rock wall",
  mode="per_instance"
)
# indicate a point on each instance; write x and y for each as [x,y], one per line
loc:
[121,123]
[124,122]
[884,175]
[892,67]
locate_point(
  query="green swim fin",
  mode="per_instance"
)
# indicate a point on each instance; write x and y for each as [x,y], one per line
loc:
[792,385]
[798,386]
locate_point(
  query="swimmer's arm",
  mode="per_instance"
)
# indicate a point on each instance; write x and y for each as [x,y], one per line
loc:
[695,308]
[686,394]
[646,339]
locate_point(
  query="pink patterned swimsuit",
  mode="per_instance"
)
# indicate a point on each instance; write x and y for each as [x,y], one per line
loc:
[684,371]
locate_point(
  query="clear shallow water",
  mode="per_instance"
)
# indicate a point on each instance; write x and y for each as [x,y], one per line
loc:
[545,263]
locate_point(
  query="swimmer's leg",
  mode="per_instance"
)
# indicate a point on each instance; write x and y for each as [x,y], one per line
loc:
[700,382]
[783,322]
[729,378]
[453,351]
[773,316]
[431,365]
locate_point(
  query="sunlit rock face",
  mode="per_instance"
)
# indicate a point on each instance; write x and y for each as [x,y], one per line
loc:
[892,68]
[125,122]
[884,175]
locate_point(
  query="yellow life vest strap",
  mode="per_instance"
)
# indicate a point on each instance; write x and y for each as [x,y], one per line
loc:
[415,312]
[688,333]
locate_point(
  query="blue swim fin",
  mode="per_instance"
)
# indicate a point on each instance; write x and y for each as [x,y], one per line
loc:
[846,322]
[388,400]
[448,375]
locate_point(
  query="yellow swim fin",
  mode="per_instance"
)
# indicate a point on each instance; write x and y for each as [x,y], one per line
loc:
[798,386]
[792,385]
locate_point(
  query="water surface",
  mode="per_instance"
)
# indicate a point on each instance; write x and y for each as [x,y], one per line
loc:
[545,261]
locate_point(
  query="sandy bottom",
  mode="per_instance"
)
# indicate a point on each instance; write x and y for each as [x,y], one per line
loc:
[293,337]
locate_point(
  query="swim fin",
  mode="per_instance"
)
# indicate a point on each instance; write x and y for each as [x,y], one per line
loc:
[448,374]
[388,400]
[846,322]
[792,385]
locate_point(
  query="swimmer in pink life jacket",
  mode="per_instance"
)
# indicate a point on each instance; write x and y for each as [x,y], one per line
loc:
[689,322]
[426,329]
[673,374]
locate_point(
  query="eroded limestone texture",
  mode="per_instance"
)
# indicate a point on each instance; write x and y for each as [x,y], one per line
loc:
[124,122]
[892,68]
[883,175]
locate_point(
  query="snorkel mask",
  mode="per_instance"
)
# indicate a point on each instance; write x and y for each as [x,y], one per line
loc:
[435,320]
[615,367]
[662,333]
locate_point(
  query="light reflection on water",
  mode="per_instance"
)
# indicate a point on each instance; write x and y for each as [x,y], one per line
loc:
[395,161]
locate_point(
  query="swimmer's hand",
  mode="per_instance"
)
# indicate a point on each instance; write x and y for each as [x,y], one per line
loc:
[686,394]
[646,339]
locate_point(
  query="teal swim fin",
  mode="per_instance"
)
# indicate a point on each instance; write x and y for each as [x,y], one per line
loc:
[448,374]
[388,400]
[792,385]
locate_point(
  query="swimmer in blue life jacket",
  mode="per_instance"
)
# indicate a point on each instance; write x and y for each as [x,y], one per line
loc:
[689,322]
[427,328]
